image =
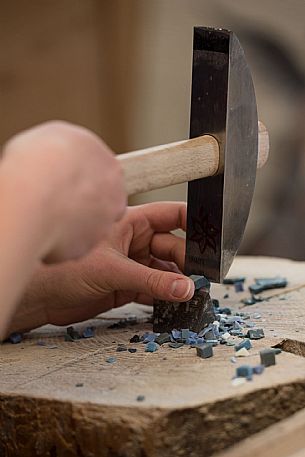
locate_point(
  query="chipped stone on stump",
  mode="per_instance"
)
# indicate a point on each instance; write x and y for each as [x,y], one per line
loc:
[195,314]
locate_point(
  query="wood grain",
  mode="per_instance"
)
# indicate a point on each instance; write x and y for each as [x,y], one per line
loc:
[190,406]
[174,163]
[285,439]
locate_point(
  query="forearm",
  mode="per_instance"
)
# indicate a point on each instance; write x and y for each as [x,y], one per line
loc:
[22,241]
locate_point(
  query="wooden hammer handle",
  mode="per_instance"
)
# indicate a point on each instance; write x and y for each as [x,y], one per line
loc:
[174,163]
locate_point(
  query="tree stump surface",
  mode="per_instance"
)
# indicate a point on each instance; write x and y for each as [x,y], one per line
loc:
[190,406]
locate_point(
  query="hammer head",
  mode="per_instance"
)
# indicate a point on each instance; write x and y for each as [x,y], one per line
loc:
[223,105]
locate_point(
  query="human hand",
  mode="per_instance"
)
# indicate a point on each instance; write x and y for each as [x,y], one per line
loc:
[70,183]
[141,260]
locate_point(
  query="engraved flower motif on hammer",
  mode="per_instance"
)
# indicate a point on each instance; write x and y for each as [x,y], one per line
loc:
[204,232]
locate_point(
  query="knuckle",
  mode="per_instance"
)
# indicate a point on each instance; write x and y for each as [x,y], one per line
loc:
[155,283]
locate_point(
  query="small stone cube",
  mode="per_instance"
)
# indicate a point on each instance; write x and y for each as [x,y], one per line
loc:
[267,357]
[244,371]
[204,351]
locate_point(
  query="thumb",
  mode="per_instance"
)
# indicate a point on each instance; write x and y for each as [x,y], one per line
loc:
[159,284]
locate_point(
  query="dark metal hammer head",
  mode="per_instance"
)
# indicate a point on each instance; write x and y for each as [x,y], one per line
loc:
[224,106]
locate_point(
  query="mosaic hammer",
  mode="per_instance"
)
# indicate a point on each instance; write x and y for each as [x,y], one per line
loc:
[219,161]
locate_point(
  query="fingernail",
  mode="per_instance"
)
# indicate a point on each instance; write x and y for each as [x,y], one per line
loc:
[181,288]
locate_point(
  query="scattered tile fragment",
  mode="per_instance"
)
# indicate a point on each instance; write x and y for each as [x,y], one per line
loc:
[88,332]
[233,280]
[122,323]
[238,286]
[111,360]
[257,316]
[226,296]
[15,338]
[79,384]
[258,369]
[262,284]
[244,344]
[149,337]
[230,343]
[250,324]
[204,351]
[163,338]
[255,334]
[74,334]
[151,347]
[225,311]
[185,333]
[238,381]
[176,333]
[252,300]
[267,357]
[140,398]
[244,371]
[233,359]
[276,350]
[243,352]
[175,345]
[209,335]
[135,339]
[212,342]
[215,303]
[132,350]
[200,281]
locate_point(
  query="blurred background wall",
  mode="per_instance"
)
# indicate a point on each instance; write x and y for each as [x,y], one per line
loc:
[123,69]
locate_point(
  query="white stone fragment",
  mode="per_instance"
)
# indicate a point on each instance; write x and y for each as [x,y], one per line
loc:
[243,352]
[238,381]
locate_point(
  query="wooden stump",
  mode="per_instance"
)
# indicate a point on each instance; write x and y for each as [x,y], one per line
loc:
[64,399]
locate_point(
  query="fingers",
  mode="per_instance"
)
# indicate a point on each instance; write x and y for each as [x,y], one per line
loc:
[132,276]
[165,216]
[167,246]
[164,265]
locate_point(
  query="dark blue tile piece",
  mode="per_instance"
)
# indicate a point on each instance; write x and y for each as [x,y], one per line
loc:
[88,332]
[200,282]
[258,369]
[151,347]
[244,344]
[244,371]
[15,338]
